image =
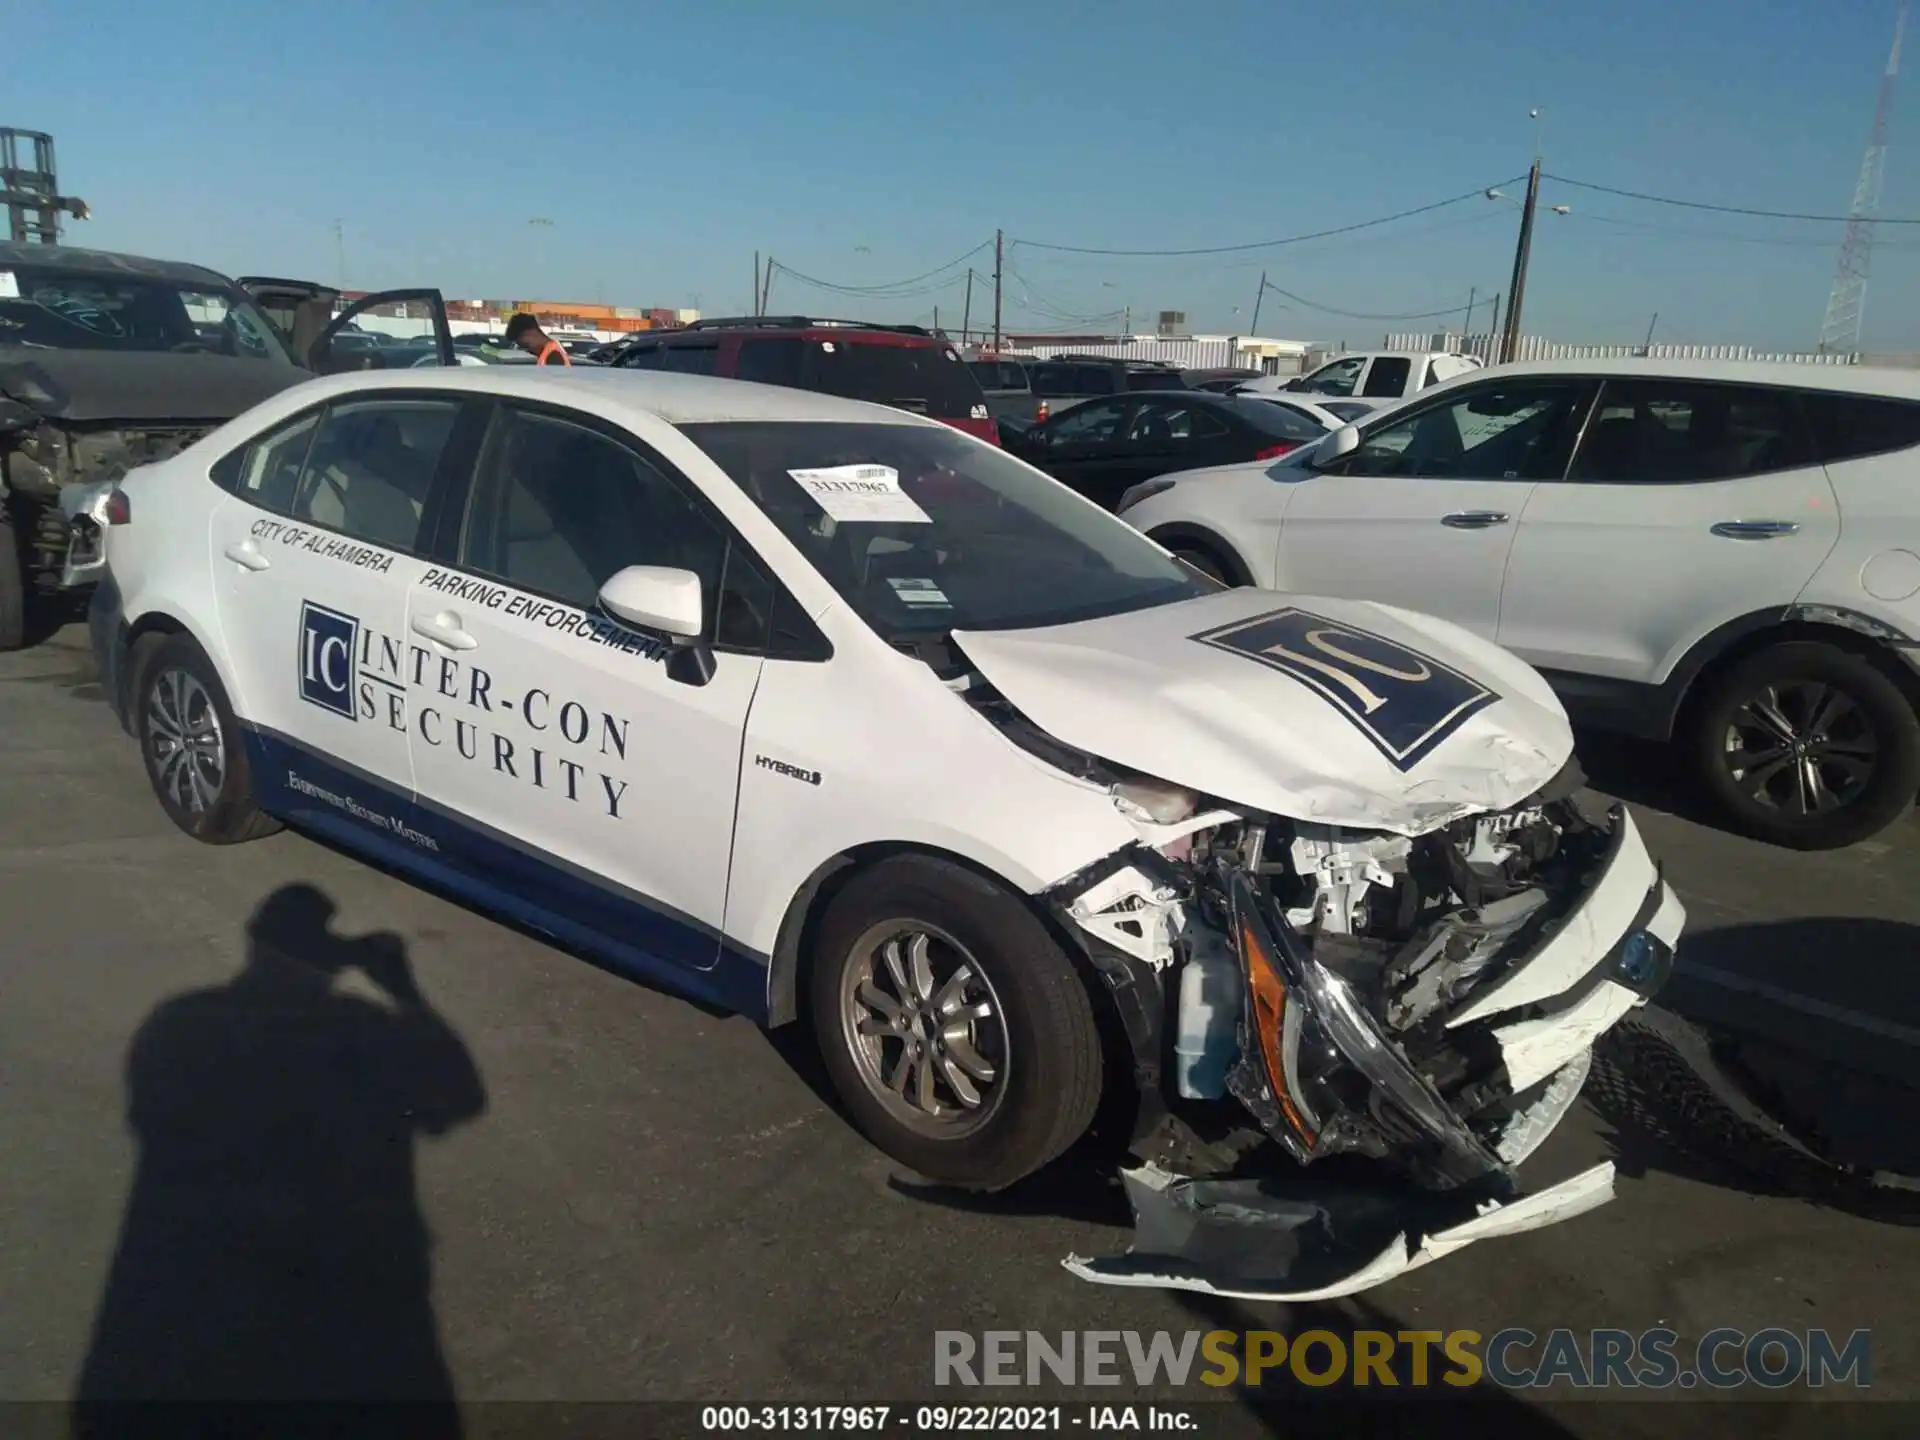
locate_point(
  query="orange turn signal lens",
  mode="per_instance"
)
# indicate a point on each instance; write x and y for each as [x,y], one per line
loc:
[1270,999]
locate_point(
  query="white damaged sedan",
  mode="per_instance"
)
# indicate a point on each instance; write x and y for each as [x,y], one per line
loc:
[806,706]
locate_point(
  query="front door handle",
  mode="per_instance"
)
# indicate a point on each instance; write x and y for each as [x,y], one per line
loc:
[444,629]
[1755,529]
[246,555]
[1474,519]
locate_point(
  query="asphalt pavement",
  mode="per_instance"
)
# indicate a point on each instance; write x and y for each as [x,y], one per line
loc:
[548,1183]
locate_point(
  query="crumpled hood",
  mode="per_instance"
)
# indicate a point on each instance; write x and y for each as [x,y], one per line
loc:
[1337,711]
[89,386]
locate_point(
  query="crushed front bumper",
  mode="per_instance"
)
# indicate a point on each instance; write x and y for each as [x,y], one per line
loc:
[83,507]
[1306,1231]
[1274,1240]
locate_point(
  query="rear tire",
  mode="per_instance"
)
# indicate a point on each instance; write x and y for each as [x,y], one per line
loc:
[190,742]
[1807,746]
[956,1031]
[13,582]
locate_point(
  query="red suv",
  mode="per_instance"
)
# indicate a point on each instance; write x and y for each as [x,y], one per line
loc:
[898,365]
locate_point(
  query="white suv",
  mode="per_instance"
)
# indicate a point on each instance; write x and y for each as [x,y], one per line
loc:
[803,705]
[1725,555]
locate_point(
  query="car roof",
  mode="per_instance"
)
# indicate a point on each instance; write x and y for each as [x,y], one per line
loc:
[1856,379]
[107,262]
[676,399]
[1400,355]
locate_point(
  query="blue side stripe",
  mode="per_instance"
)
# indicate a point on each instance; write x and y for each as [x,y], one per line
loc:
[615,927]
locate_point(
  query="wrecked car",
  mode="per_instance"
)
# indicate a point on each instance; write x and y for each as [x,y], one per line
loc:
[808,707]
[111,361]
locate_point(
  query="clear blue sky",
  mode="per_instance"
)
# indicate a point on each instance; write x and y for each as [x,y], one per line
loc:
[865,141]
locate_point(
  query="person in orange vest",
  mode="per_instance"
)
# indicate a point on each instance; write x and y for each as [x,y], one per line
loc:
[523,330]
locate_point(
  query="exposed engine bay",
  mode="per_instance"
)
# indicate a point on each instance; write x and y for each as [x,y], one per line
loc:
[1403,1018]
[42,461]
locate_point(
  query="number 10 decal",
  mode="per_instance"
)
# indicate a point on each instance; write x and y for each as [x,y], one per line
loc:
[1404,702]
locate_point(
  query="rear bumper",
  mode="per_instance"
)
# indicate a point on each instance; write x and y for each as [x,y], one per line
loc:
[106,630]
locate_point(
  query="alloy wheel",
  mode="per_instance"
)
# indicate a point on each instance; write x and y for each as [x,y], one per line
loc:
[924,1028]
[1803,747]
[186,749]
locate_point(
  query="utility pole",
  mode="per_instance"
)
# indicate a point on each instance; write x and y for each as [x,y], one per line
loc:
[755,292]
[999,258]
[340,251]
[1522,252]
[936,320]
[766,286]
[1493,333]
[1258,296]
[966,312]
[1466,326]
[1647,346]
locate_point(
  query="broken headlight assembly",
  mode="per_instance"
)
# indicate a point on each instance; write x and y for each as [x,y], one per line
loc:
[1316,1071]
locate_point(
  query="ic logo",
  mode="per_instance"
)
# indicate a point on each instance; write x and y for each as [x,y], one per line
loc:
[1404,702]
[328,643]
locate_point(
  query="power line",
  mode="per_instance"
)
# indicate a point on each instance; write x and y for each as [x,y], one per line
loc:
[1453,309]
[1718,209]
[893,285]
[1803,241]
[1037,301]
[1473,194]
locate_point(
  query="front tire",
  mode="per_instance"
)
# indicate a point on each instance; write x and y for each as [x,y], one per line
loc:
[13,581]
[191,744]
[1807,746]
[955,1030]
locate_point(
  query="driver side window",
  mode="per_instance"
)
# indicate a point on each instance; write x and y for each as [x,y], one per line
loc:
[557,508]
[1518,430]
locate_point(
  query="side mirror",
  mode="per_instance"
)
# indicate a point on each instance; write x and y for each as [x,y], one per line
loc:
[1335,446]
[655,597]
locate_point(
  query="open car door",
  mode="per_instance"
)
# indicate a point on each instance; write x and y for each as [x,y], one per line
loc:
[298,309]
[323,357]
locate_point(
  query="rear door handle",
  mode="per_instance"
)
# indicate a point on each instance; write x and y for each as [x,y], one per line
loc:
[1755,529]
[246,555]
[444,629]
[1474,519]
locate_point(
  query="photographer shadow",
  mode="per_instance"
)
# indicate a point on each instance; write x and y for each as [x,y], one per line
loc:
[273,1247]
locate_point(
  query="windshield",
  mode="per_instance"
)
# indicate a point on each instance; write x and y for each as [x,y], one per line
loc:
[923,531]
[45,308]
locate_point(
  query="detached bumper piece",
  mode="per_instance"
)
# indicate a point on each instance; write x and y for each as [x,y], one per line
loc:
[1275,1240]
[1323,1079]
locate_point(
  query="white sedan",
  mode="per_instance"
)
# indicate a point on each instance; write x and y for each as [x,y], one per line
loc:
[798,704]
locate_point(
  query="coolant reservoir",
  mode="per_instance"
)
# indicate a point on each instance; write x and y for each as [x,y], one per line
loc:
[1207,1030]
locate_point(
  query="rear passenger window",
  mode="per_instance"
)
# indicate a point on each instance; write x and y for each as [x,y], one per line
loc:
[368,470]
[267,472]
[1093,380]
[1388,376]
[642,357]
[1667,432]
[1848,427]
[771,362]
